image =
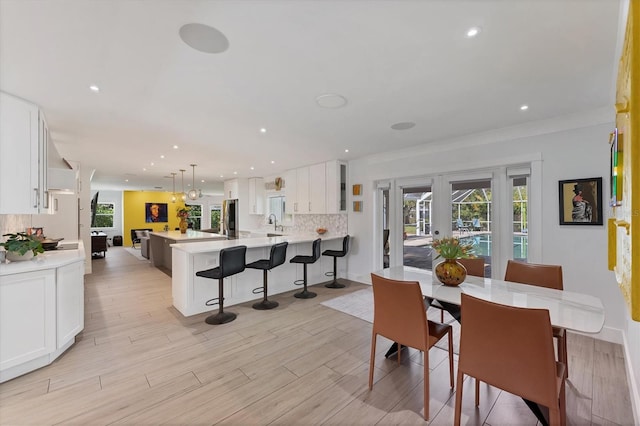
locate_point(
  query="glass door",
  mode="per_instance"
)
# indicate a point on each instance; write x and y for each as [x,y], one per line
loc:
[416,225]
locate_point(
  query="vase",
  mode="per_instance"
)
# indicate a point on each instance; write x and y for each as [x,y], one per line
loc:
[16,257]
[451,272]
[183,225]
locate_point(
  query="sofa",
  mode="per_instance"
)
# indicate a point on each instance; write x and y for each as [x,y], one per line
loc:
[134,235]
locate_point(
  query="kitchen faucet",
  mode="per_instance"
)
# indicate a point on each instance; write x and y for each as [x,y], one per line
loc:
[275,222]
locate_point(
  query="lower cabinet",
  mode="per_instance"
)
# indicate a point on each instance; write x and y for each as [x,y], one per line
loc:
[41,312]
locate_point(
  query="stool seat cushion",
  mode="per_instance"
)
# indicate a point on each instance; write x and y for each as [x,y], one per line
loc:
[213,273]
[263,264]
[334,253]
[303,259]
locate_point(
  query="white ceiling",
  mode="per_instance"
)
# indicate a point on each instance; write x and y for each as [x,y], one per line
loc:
[394,61]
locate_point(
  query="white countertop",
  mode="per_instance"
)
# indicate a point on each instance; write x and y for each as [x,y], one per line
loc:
[252,242]
[47,260]
[190,235]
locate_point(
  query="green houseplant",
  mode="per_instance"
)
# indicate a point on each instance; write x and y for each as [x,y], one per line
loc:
[450,272]
[19,244]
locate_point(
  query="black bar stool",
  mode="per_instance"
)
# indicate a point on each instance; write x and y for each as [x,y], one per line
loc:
[336,254]
[232,261]
[276,258]
[305,260]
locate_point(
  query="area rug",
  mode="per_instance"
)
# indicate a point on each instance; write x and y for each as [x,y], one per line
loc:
[135,252]
[360,305]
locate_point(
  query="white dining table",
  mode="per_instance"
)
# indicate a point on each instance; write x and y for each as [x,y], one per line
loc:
[569,310]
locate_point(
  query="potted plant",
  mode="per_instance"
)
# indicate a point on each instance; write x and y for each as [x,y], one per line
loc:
[20,246]
[450,272]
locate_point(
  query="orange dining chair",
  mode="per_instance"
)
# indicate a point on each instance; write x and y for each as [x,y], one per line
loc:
[549,276]
[519,360]
[399,315]
[474,267]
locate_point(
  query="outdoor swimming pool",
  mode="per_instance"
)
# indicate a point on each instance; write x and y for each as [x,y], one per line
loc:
[482,245]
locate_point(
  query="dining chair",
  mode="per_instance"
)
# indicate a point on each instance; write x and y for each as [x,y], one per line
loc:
[519,360]
[399,315]
[549,276]
[474,267]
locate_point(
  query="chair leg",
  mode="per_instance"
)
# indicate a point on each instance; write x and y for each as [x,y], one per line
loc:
[265,304]
[477,391]
[305,294]
[450,357]
[335,283]
[458,409]
[426,384]
[221,317]
[372,360]
[562,352]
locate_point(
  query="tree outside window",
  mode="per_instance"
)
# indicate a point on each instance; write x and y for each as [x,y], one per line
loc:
[104,215]
[215,217]
[195,216]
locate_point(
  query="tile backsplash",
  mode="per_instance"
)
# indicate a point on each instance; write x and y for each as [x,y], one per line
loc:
[334,223]
[11,223]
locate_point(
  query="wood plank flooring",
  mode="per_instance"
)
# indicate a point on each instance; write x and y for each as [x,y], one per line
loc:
[139,361]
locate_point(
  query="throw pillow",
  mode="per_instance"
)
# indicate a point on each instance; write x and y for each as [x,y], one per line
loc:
[142,234]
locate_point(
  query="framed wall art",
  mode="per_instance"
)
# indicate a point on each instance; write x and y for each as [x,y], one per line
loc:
[357,206]
[581,201]
[155,212]
[357,189]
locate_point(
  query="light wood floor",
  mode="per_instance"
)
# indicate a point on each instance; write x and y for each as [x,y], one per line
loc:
[139,361]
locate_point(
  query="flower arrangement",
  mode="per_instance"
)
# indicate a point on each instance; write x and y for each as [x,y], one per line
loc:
[453,248]
[183,212]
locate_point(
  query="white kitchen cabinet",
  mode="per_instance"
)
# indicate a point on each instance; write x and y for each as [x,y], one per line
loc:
[231,189]
[336,187]
[70,302]
[27,317]
[291,191]
[317,189]
[256,196]
[302,184]
[23,157]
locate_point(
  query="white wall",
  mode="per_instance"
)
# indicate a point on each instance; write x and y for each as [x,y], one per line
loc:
[114,197]
[566,154]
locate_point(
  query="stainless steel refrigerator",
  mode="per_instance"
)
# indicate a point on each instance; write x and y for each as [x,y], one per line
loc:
[230,226]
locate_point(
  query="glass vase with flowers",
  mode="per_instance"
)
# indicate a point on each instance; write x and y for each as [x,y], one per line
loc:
[451,272]
[183,215]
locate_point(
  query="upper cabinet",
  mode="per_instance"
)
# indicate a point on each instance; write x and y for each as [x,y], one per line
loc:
[317,189]
[23,157]
[256,196]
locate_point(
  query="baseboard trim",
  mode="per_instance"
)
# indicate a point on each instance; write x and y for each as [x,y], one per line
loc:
[633,386]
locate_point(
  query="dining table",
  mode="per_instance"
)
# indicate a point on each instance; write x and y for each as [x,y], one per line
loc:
[570,310]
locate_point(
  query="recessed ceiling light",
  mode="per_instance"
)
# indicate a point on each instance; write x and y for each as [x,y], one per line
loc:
[252,167]
[144,170]
[152,164]
[94,88]
[472,32]
[524,107]
[126,180]
[235,173]
[221,175]
[204,38]
[162,156]
[175,147]
[273,162]
[346,150]
[263,130]
[331,100]
[201,180]
[405,125]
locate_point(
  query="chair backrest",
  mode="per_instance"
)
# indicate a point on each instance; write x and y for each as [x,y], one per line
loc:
[459,223]
[232,260]
[475,222]
[278,254]
[345,244]
[510,348]
[549,276]
[316,249]
[399,313]
[474,266]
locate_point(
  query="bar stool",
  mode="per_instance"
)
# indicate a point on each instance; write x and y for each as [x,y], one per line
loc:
[276,258]
[305,260]
[336,254]
[232,261]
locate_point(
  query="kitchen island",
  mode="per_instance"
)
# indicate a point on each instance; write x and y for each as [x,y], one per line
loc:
[42,308]
[160,245]
[190,292]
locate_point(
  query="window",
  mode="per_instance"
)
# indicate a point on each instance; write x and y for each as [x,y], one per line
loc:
[215,217]
[104,215]
[195,216]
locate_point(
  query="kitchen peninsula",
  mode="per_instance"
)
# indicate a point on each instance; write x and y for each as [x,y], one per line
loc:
[42,305]
[190,292]
[160,245]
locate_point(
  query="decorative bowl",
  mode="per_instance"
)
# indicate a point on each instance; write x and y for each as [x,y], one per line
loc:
[321,230]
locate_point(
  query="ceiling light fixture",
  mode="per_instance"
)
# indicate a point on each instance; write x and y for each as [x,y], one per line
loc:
[252,167]
[173,195]
[273,162]
[472,32]
[193,193]
[263,130]
[406,125]
[331,100]
[203,38]
[162,156]
[175,147]
[346,150]
[183,196]
[94,88]
[524,107]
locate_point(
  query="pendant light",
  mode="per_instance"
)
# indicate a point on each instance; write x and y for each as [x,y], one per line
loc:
[173,194]
[193,193]
[183,196]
